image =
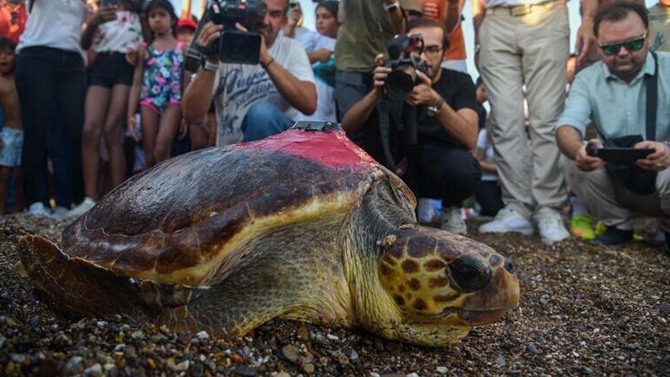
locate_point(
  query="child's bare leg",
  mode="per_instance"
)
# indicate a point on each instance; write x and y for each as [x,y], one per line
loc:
[167,131]
[97,102]
[149,131]
[5,177]
[113,131]
[198,134]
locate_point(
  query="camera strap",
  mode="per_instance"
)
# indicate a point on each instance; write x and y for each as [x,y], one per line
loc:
[383,109]
[652,98]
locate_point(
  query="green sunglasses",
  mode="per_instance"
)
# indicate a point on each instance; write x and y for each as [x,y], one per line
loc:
[631,45]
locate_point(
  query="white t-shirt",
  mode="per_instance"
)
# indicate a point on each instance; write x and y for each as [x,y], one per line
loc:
[55,24]
[483,144]
[238,86]
[325,94]
[121,35]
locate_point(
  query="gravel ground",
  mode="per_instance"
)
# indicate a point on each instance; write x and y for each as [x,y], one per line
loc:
[585,310]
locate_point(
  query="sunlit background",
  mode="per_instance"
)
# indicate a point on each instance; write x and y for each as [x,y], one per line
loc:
[308,10]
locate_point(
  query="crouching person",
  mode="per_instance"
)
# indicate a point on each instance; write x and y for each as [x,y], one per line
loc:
[618,94]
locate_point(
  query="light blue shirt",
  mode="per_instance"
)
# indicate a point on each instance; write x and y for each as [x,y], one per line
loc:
[618,108]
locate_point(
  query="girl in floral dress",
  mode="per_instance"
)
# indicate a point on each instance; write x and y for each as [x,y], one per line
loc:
[114,33]
[157,84]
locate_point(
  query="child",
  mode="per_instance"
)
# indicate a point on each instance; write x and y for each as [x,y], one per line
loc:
[11,142]
[157,83]
[114,32]
[319,47]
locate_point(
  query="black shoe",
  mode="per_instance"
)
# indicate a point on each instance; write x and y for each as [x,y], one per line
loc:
[614,237]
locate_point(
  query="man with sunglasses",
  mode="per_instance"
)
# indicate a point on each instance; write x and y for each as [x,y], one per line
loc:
[613,94]
[440,165]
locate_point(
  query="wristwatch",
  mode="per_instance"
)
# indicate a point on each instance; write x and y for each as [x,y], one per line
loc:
[436,108]
[207,65]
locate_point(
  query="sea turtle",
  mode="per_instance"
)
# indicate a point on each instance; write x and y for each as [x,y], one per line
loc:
[303,225]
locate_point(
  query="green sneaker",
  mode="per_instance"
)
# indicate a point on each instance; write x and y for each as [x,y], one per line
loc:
[580,227]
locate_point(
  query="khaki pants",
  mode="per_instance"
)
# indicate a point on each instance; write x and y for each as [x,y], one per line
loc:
[613,204]
[530,50]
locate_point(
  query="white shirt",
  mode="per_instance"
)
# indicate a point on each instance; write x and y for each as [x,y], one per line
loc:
[489,154]
[55,24]
[121,35]
[238,86]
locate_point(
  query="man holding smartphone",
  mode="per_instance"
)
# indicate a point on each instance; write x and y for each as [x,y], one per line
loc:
[613,94]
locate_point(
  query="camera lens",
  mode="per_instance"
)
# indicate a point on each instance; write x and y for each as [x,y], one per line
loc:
[400,82]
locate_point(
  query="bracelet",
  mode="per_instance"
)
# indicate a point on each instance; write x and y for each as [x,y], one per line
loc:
[265,66]
[209,66]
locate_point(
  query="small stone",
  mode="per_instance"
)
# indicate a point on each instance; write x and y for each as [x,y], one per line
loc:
[202,335]
[282,374]
[94,371]
[500,361]
[665,307]
[237,359]
[290,352]
[74,366]
[442,370]
[245,371]
[532,349]
[308,368]
[332,337]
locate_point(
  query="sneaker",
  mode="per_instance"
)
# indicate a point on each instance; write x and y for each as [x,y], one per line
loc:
[452,221]
[38,209]
[551,227]
[580,227]
[82,208]
[60,212]
[508,220]
[429,211]
[614,237]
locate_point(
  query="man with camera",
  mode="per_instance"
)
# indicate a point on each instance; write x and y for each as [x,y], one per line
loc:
[252,101]
[443,107]
[626,96]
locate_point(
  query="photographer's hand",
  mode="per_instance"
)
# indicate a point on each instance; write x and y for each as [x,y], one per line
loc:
[379,76]
[588,163]
[423,94]
[209,34]
[658,160]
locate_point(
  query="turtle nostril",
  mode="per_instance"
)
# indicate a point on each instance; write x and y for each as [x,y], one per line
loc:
[470,274]
[509,266]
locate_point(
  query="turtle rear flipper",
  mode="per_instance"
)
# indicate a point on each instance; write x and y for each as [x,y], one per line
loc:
[74,286]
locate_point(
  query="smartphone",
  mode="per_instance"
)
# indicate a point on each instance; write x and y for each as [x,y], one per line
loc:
[623,156]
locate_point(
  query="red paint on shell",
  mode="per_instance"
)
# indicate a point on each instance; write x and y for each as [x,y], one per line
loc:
[332,149]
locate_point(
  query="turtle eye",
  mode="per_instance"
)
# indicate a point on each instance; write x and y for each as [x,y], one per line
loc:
[469,274]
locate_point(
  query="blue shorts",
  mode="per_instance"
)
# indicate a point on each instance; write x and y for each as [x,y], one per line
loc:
[12,144]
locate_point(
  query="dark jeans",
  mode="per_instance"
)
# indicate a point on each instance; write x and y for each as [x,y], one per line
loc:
[451,174]
[51,81]
[489,197]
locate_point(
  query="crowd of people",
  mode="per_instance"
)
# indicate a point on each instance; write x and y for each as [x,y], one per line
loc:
[105,91]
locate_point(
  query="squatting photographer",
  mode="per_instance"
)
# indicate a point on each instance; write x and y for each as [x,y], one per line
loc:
[252,101]
[444,108]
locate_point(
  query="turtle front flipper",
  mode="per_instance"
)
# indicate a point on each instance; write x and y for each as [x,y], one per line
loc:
[74,286]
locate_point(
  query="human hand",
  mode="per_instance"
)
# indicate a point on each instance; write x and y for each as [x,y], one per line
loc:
[131,57]
[131,128]
[183,130]
[588,163]
[431,10]
[656,161]
[209,34]
[585,44]
[296,15]
[379,75]
[104,14]
[422,94]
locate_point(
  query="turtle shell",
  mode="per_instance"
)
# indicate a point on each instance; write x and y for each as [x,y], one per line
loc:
[175,223]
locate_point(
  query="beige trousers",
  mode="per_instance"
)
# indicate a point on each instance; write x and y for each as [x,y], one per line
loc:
[612,203]
[531,51]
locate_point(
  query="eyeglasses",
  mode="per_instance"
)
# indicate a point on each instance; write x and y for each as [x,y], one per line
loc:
[429,50]
[631,45]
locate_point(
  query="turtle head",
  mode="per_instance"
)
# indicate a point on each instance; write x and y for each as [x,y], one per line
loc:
[443,284]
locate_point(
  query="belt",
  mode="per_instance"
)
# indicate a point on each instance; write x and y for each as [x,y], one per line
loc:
[522,9]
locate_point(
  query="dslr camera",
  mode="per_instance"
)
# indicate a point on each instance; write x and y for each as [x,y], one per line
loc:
[400,82]
[234,46]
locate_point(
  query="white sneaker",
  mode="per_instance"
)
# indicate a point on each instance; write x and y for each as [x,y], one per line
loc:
[452,221]
[428,210]
[60,212]
[82,208]
[551,227]
[38,209]
[508,220]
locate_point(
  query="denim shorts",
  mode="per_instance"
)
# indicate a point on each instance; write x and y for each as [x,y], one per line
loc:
[111,69]
[12,144]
